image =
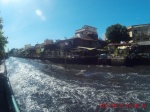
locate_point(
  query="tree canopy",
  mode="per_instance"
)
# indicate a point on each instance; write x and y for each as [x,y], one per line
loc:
[3,40]
[116,33]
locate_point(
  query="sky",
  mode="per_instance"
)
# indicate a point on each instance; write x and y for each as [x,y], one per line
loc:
[33,21]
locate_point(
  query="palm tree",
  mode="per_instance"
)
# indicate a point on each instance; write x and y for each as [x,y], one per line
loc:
[3,40]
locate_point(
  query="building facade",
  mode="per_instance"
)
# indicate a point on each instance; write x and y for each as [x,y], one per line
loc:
[47,41]
[27,46]
[87,30]
[140,33]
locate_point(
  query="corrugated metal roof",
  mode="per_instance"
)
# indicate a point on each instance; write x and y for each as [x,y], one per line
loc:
[118,44]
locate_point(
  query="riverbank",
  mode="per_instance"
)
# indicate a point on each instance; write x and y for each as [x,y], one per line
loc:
[96,61]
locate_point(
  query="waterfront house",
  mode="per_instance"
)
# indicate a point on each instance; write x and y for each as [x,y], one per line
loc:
[27,46]
[87,31]
[141,36]
[140,33]
[50,50]
[48,41]
[30,52]
[39,49]
[86,37]
[118,49]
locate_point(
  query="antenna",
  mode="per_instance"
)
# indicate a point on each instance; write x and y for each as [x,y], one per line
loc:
[65,37]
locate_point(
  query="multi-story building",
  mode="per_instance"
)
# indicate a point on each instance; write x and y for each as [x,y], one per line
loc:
[27,46]
[47,41]
[38,45]
[140,33]
[87,31]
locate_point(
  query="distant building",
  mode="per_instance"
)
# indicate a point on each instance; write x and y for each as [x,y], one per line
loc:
[38,45]
[47,41]
[27,46]
[140,33]
[87,31]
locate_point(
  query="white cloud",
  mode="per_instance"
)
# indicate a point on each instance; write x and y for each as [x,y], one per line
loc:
[40,14]
[5,1]
[12,2]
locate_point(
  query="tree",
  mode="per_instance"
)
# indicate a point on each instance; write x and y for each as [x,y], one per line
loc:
[3,40]
[116,33]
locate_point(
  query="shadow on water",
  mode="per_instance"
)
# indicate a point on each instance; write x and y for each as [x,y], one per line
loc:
[47,87]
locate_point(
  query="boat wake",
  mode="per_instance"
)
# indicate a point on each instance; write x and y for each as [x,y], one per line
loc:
[42,87]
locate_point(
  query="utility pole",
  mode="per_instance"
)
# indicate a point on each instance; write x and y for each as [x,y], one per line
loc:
[65,60]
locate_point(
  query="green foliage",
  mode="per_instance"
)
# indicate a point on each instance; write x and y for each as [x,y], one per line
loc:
[3,40]
[38,51]
[116,33]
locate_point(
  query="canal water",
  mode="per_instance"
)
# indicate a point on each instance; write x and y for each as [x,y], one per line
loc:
[40,86]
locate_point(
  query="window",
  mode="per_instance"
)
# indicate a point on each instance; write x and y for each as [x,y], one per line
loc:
[146,39]
[135,31]
[149,32]
[138,39]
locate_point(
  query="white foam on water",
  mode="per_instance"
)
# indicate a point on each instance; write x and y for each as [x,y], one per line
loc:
[40,92]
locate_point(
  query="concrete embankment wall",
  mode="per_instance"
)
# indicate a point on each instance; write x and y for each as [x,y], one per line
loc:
[63,60]
[96,61]
[118,62]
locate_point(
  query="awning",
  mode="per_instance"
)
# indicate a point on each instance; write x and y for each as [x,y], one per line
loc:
[144,43]
[86,48]
[122,47]
[101,50]
[118,44]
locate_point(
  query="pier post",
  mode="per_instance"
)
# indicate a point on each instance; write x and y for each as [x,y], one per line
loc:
[65,61]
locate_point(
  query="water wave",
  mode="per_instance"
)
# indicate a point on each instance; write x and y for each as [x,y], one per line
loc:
[46,87]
